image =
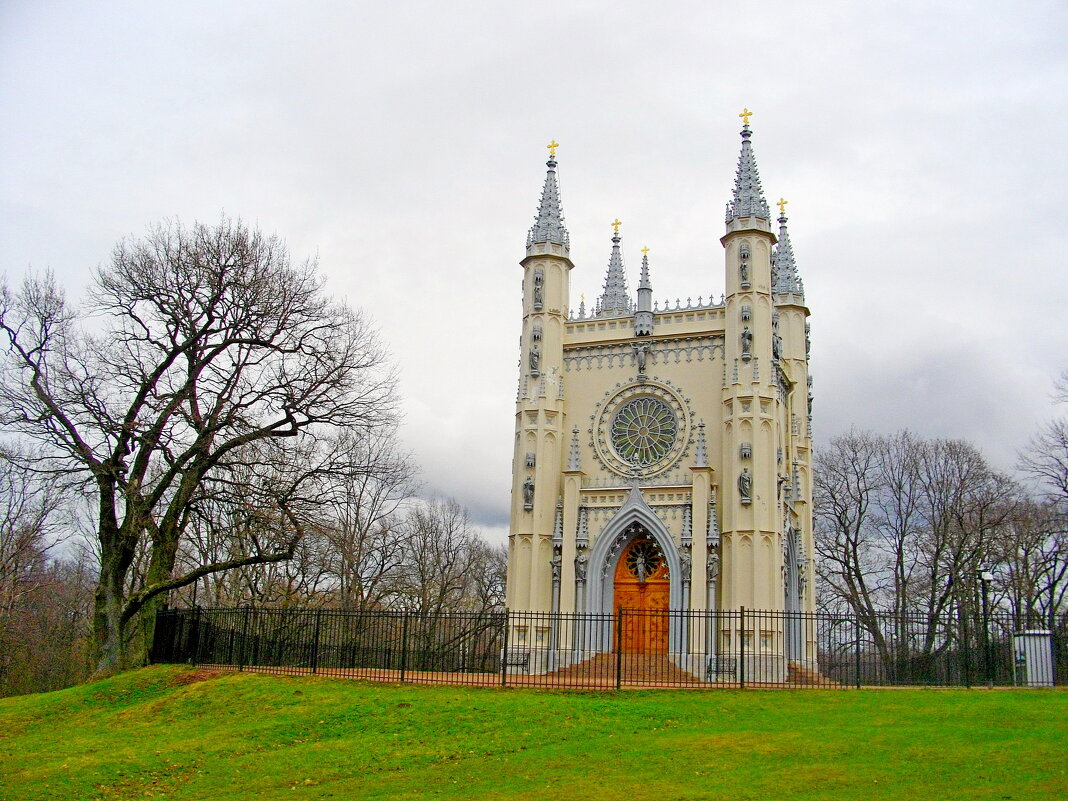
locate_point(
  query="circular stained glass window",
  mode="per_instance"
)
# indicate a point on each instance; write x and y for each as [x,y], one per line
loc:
[643,431]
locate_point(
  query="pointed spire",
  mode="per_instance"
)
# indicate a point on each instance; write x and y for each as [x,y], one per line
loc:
[748,200]
[643,315]
[549,221]
[574,461]
[616,297]
[700,451]
[784,275]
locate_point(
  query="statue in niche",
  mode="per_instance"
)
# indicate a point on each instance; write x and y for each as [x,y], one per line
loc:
[535,359]
[743,270]
[747,341]
[776,345]
[684,563]
[528,493]
[581,564]
[539,279]
[555,562]
[712,563]
[745,485]
[641,567]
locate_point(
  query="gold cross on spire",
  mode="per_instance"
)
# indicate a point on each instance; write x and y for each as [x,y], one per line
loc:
[745,115]
[782,206]
[552,148]
[645,249]
[615,224]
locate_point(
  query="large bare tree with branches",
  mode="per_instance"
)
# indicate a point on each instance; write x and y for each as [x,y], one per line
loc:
[204,365]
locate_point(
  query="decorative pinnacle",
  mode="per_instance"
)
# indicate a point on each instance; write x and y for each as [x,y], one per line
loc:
[549,221]
[745,115]
[643,282]
[748,199]
[615,298]
[784,275]
[700,451]
[574,461]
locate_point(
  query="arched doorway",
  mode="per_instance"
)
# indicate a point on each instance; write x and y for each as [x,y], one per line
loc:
[642,590]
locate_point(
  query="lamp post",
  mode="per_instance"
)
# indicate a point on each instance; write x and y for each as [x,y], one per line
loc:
[985,577]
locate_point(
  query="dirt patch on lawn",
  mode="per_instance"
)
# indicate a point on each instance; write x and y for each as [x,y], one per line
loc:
[194,676]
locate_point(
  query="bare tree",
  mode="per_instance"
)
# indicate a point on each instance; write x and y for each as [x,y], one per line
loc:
[201,351]
[1045,457]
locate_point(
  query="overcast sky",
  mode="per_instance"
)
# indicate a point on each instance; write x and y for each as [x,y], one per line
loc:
[921,146]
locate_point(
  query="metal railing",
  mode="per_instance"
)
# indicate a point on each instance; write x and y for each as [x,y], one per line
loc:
[736,648]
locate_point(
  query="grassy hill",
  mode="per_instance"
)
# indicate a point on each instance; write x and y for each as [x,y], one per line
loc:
[171,732]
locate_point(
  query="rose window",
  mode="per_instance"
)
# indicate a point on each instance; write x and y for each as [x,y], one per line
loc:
[644,431]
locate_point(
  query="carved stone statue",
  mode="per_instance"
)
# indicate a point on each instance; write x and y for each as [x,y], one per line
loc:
[745,485]
[539,279]
[528,493]
[555,562]
[641,567]
[684,563]
[640,353]
[743,271]
[712,564]
[776,345]
[535,358]
[581,564]
[747,341]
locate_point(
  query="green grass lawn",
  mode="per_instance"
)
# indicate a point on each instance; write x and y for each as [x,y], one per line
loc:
[157,733]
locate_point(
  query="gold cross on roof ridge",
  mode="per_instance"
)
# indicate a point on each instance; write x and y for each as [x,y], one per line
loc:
[782,206]
[552,147]
[745,115]
[615,224]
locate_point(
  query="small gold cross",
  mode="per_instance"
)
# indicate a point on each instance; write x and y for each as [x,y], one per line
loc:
[615,224]
[552,148]
[645,249]
[782,206]
[745,115]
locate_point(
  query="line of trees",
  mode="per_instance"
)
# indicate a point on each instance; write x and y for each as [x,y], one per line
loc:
[906,528]
[218,428]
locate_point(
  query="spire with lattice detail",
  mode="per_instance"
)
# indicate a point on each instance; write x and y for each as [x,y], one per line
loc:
[549,221]
[615,299]
[748,199]
[784,275]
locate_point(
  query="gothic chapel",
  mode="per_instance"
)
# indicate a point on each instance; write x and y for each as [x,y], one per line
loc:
[663,452]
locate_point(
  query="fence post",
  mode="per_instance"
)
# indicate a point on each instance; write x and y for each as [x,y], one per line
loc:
[856,623]
[244,640]
[504,646]
[741,646]
[404,645]
[315,642]
[194,657]
[966,647]
[619,649]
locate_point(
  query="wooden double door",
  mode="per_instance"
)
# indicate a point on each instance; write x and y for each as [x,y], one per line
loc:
[642,596]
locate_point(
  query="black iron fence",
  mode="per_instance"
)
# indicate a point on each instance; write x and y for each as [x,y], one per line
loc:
[738,648]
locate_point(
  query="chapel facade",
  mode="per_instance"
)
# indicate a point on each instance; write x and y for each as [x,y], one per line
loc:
[663,452]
